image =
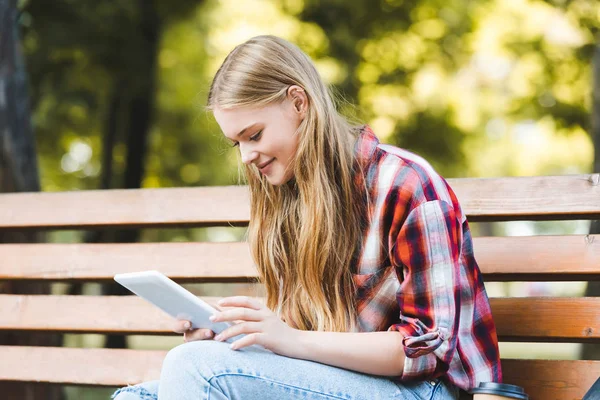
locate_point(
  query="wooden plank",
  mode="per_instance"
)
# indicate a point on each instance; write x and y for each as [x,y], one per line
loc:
[535,258]
[552,379]
[517,319]
[201,206]
[185,262]
[111,314]
[542,379]
[539,258]
[102,367]
[536,197]
[492,199]
[547,319]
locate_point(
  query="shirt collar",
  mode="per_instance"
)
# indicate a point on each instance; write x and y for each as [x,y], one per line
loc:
[366,145]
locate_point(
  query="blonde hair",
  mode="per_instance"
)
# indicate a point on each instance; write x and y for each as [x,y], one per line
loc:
[303,234]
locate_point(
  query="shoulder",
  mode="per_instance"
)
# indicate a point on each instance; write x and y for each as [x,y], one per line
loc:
[408,177]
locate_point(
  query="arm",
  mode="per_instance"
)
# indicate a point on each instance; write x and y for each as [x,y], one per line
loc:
[375,353]
[427,250]
[424,341]
[422,344]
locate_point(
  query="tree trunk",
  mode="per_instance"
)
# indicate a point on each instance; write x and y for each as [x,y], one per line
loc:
[108,145]
[139,110]
[19,173]
[592,351]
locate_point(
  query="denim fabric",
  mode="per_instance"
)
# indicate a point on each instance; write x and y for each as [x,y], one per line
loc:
[209,370]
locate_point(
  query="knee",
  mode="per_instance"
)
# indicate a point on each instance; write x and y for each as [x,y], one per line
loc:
[126,396]
[191,368]
[199,357]
[147,391]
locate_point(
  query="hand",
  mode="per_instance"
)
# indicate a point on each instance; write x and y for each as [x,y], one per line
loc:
[190,335]
[260,325]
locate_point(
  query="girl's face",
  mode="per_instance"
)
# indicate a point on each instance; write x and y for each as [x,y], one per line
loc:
[267,137]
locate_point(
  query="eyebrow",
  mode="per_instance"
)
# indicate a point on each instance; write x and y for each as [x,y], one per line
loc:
[245,129]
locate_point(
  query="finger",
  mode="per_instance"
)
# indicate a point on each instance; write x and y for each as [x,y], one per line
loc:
[181,325]
[197,334]
[246,341]
[238,314]
[242,328]
[241,301]
[214,305]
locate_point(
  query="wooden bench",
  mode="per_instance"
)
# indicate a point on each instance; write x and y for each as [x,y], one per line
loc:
[537,258]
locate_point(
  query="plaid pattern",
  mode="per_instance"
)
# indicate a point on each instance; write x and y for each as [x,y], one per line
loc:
[416,272]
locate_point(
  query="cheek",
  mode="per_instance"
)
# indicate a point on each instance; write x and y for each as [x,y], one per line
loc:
[285,150]
[292,146]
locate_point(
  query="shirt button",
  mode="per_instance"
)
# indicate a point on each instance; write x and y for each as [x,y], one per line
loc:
[432,383]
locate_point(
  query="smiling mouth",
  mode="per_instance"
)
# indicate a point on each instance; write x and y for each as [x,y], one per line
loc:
[262,166]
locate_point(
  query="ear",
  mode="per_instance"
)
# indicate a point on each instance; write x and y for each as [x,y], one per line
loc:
[299,99]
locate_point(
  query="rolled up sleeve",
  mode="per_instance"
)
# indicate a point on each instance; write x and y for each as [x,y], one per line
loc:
[426,252]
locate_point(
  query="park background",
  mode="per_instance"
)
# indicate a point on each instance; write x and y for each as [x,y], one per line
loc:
[115,92]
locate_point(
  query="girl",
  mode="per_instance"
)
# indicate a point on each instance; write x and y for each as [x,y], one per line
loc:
[373,291]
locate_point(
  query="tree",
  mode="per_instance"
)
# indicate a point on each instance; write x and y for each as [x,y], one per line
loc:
[139,110]
[18,173]
[378,46]
[118,44]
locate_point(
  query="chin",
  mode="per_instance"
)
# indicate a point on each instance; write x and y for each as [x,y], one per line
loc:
[278,180]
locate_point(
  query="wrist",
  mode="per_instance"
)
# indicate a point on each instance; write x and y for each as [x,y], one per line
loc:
[299,344]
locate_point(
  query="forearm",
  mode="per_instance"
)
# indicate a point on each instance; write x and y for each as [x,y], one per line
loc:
[376,353]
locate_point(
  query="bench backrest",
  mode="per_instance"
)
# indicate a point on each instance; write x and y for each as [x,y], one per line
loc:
[533,258]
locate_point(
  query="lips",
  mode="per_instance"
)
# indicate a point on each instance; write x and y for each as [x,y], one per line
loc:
[261,166]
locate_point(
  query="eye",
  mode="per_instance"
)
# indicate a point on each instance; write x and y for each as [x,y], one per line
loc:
[256,136]
[235,144]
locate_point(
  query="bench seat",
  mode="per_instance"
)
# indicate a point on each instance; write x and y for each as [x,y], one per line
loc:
[501,259]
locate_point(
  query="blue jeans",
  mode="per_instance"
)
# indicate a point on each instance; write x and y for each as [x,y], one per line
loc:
[209,370]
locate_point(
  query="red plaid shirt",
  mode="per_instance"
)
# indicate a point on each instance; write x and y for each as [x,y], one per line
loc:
[416,272]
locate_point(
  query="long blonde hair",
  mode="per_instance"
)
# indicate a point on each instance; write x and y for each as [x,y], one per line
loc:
[303,234]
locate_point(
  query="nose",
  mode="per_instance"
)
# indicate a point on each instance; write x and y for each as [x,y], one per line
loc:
[248,155]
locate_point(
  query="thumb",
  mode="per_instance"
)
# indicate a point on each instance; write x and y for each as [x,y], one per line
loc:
[181,326]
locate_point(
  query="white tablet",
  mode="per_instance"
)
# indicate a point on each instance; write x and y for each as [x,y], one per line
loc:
[172,299]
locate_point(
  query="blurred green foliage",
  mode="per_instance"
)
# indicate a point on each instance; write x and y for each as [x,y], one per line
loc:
[471,86]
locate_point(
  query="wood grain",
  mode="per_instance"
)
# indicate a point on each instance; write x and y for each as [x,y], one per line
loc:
[185,262]
[517,319]
[547,319]
[490,199]
[535,197]
[535,258]
[552,379]
[539,258]
[546,379]
[95,367]
[202,206]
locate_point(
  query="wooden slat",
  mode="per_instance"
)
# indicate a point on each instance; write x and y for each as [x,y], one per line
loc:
[539,258]
[103,367]
[202,206]
[87,314]
[185,262]
[536,197]
[544,319]
[542,379]
[536,258]
[517,319]
[552,379]
[493,199]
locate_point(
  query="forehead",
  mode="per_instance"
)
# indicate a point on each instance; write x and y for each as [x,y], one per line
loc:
[233,120]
